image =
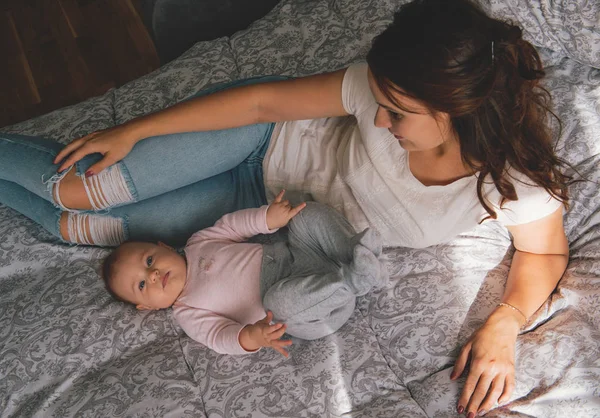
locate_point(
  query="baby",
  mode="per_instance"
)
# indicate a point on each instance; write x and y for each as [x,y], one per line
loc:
[307,281]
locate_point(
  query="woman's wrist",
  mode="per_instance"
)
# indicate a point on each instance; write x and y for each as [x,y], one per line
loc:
[514,309]
[138,129]
[510,318]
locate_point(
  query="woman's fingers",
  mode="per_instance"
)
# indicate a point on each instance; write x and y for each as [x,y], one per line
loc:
[478,386]
[468,391]
[493,394]
[461,362]
[74,145]
[509,386]
[490,353]
[68,149]
[112,145]
[72,159]
[76,151]
[75,156]
[105,162]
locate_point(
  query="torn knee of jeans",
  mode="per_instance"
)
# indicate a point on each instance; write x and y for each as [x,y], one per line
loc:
[104,190]
[91,229]
[52,187]
[107,188]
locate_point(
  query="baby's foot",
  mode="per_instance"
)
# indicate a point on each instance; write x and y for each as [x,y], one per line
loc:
[364,272]
[369,238]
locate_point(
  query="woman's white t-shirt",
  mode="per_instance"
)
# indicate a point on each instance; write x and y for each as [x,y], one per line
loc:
[362,171]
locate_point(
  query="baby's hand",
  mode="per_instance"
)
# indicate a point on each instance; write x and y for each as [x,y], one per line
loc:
[262,334]
[280,212]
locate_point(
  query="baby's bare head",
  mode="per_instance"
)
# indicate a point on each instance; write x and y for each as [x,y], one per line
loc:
[148,275]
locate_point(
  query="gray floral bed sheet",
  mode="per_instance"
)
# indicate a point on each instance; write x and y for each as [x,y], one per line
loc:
[68,349]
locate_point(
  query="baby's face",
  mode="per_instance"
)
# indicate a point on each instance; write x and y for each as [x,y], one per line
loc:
[148,275]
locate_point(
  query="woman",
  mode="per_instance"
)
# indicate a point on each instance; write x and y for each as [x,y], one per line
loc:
[448,131]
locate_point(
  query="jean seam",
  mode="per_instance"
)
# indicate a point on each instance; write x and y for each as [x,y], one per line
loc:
[125,225]
[30,146]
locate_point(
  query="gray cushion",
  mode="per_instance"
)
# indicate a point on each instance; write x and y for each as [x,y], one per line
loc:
[176,25]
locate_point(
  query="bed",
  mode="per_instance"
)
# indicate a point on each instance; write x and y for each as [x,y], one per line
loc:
[68,349]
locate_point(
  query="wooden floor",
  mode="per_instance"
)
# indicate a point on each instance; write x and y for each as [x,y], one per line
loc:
[60,52]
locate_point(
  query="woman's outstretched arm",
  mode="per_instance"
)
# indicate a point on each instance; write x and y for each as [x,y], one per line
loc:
[541,257]
[310,97]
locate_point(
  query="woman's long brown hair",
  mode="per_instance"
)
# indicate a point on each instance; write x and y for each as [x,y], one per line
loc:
[452,57]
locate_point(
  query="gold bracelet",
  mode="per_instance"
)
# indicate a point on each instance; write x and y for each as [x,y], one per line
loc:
[514,308]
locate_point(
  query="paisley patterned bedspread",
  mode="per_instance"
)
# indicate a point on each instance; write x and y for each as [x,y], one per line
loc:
[68,349]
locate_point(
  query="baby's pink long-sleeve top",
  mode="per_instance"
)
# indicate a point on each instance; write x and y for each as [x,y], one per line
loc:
[222,290]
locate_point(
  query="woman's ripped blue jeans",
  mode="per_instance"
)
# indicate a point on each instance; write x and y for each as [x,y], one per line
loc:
[165,189]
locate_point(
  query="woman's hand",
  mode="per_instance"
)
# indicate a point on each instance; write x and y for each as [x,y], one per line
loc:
[491,377]
[114,143]
[263,334]
[280,212]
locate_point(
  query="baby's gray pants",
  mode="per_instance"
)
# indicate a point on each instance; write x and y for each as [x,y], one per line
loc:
[308,281]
